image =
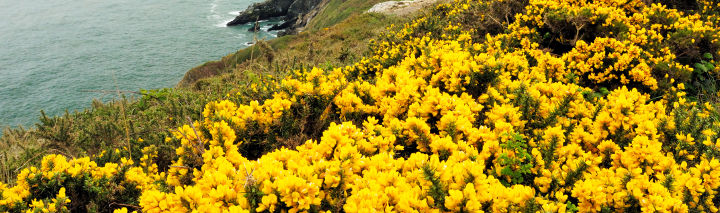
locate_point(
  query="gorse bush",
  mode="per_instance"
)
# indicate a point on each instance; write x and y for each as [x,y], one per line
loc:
[129,124]
[592,106]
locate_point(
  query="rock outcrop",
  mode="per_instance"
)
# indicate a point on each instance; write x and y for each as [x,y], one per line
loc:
[402,8]
[261,11]
[296,13]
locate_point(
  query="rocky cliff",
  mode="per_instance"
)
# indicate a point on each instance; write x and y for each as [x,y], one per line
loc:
[295,13]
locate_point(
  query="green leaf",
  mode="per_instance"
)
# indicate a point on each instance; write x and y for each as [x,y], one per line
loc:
[604,91]
[700,68]
[708,56]
[571,207]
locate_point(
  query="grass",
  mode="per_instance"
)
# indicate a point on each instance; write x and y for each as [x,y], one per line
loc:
[127,124]
[338,10]
[330,46]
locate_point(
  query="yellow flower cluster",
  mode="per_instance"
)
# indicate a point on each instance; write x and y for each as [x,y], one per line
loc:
[57,204]
[586,58]
[617,42]
[30,191]
[451,121]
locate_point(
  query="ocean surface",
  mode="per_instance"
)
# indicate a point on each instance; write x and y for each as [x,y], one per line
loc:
[58,55]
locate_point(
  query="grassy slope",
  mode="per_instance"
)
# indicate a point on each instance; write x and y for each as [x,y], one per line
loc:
[127,124]
[329,47]
[330,38]
[337,11]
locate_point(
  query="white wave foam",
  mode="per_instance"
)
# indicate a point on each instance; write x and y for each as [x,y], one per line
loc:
[223,23]
[234,13]
[217,17]
[213,6]
[220,19]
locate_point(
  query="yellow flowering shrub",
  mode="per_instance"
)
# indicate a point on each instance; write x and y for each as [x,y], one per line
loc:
[590,106]
[61,185]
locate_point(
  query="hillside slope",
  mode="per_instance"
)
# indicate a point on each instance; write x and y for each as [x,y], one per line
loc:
[507,105]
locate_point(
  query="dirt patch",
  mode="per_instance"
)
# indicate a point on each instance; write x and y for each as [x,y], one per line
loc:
[402,8]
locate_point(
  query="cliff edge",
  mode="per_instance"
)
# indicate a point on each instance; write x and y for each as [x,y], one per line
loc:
[295,13]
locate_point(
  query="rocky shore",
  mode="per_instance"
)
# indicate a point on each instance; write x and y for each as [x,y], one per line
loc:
[295,14]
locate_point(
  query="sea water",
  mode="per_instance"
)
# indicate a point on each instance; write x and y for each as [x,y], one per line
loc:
[58,55]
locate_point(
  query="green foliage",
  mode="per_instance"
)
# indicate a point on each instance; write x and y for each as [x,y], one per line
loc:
[694,121]
[571,207]
[56,131]
[515,167]
[703,81]
[436,191]
[532,206]
[87,194]
[127,124]
[253,194]
[18,149]
[576,174]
